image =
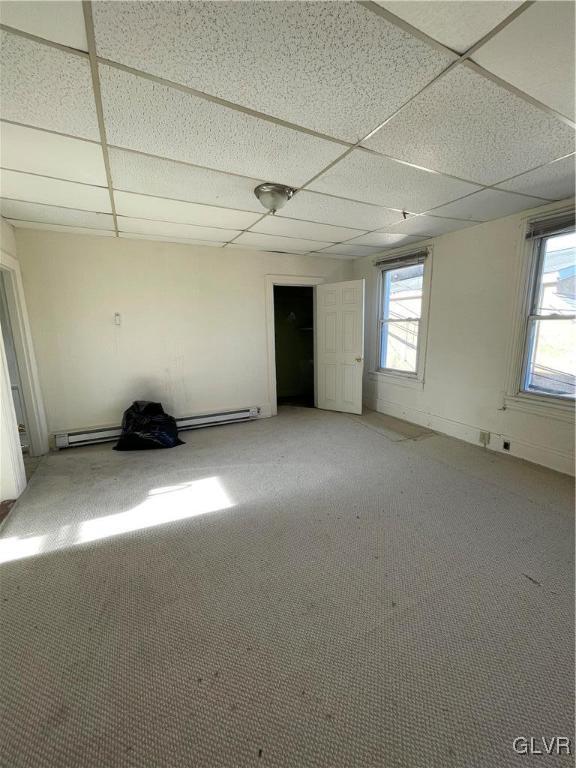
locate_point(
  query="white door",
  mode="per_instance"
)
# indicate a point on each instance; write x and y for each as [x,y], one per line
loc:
[340,345]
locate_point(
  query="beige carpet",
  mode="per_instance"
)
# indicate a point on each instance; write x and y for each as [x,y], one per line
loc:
[299,591]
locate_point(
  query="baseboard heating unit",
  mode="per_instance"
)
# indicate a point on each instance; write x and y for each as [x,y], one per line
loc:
[106,434]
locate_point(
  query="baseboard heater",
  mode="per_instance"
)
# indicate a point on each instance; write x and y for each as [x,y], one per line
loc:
[106,434]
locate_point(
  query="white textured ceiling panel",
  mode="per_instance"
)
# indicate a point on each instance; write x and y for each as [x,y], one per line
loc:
[535,52]
[171,229]
[39,189]
[145,207]
[384,239]
[144,115]
[165,178]
[60,228]
[457,25]
[326,209]
[46,87]
[276,225]
[428,226]
[332,67]
[488,204]
[468,126]
[553,182]
[277,243]
[376,179]
[351,251]
[61,21]
[162,239]
[35,151]
[51,214]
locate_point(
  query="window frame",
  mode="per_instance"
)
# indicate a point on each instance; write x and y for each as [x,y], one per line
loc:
[532,317]
[515,398]
[383,265]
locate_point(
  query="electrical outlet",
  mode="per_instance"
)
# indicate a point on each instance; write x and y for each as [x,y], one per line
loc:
[506,445]
[484,438]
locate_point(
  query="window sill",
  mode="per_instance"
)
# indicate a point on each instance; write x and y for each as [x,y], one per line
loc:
[550,408]
[412,382]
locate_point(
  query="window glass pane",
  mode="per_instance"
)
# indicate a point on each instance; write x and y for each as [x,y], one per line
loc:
[402,292]
[399,345]
[551,365]
[556,292]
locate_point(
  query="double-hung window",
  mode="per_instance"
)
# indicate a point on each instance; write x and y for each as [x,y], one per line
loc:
[549,366]
[400,314]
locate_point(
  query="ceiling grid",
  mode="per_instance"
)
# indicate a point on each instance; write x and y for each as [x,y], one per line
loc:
[149,140]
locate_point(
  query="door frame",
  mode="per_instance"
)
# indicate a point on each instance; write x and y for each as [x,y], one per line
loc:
[271,281]
[31,392]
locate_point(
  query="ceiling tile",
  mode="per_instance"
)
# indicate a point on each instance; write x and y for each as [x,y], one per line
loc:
[39,189]
[61,21]
[171,229]
[553,182]
[350,251]
[161,209]
[46,87]
[153,176]
[376,179]
[326,209]
[60,228]
[456,25]
[488,204]
[162,239]
[385,239]
[535,52]
[277,243]
[336,68]
[468,126]
[428,226]
[141,114]
[35,151]
[51,214]
[276,225]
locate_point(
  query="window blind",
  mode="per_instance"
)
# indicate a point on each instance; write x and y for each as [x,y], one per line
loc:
[554,225]
[418,257]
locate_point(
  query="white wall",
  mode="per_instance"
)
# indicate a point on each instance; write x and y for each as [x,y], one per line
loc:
[193,332]
[475,278]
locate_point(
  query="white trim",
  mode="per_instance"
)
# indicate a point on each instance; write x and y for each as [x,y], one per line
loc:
[31,392]
[411,381]
[404,378]
[14,480]
[270,282]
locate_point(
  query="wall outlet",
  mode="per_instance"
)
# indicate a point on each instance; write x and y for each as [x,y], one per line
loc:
[484,438]
[506,445]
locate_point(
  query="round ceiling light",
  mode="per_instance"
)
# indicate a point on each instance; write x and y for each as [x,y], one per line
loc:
[273,196]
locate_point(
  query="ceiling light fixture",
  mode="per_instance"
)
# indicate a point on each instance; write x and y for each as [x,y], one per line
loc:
[273,196]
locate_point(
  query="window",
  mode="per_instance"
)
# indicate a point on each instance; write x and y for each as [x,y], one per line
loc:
[400,314]
[550,350]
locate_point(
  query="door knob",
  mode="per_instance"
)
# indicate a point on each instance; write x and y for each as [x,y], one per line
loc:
[358,359]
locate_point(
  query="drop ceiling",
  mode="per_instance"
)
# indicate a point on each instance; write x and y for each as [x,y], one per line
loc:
[395,121]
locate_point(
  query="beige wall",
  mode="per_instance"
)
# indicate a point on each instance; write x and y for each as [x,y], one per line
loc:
[192,331]
[7,238]
[475,279]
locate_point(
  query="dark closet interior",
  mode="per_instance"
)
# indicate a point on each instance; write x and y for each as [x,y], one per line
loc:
[294,339]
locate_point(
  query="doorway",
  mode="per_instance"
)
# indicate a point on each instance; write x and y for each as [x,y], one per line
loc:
[294,344]
[13,368]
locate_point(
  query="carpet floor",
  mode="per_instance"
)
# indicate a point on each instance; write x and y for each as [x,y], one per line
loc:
[308,591]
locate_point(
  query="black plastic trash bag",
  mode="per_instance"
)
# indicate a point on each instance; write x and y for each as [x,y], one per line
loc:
[146,426]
